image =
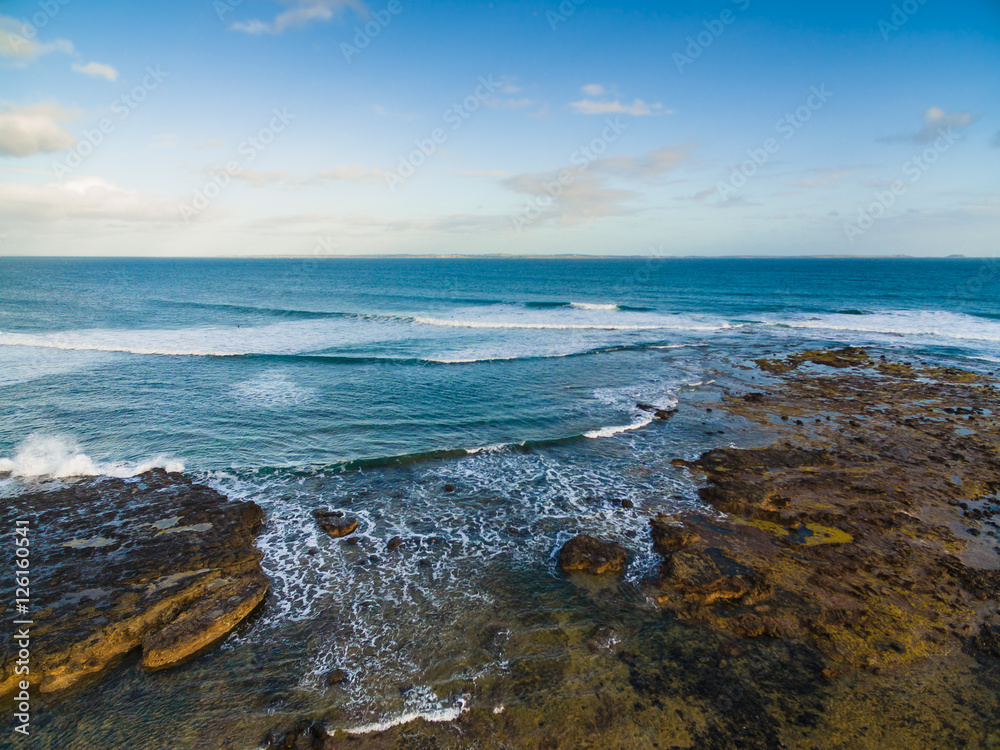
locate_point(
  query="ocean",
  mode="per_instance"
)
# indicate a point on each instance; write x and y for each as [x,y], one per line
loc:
[484,410]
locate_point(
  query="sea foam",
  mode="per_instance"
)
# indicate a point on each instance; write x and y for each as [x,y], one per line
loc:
[60,457]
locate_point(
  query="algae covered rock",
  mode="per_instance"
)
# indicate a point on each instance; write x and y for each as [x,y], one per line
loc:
[592,555]
[155,562]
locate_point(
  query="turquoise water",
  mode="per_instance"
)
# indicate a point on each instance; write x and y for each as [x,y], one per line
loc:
[369,385]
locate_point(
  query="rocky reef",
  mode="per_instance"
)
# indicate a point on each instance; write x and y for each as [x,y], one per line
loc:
[155,563]
[866,529]
[839,588]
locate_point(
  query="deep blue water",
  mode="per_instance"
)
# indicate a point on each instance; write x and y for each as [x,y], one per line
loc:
[370,384]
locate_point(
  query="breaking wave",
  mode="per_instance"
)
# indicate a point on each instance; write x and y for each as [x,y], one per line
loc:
[60,457]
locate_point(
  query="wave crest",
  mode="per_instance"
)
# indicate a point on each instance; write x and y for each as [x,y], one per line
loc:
[60,457]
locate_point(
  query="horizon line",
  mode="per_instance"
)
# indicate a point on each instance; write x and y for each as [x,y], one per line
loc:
[501,256]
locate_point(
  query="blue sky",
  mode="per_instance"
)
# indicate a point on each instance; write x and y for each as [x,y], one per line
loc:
[315,127]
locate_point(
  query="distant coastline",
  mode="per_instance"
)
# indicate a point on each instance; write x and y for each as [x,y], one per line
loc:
[508,256]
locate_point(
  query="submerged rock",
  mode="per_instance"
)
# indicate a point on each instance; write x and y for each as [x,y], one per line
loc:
[336,677]
[987,640]
[155,562]
[592,555]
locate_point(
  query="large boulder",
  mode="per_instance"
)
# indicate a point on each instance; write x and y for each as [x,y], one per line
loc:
[592,555]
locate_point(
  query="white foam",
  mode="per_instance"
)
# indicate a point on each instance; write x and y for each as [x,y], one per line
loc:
[936,324]
[59,457]
[606,432]
[592,306]
[488,448]
[594,326]
[272,390]
[23,365]
[440,716]
[290,337]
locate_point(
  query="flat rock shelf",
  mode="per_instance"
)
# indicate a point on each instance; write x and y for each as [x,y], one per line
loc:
[154,562]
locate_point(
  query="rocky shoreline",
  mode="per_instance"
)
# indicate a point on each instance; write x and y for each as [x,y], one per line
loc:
[854,558]
[839,589]
[868,528]
[155,563]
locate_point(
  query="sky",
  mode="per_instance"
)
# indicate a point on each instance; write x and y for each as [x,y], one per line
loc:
[366,127]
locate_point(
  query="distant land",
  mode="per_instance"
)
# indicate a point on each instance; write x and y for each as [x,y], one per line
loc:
[515,256]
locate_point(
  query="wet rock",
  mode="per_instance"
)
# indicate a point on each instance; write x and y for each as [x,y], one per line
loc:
[604,639]
[336,677]
[335,523]
[592,555]
[628,504]
[657,411]
[670,537]
[449,488]
[846,541]
[395,543]
[170,566]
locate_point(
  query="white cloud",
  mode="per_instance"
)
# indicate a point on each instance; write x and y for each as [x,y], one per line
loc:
[16,44]
[210,143]
[638,108]
[650,166]
[348,173]
[33,129]
[97,70]
[82,198]
[301,14]
[936,120]
[594,89]
[491,174]
[584,193]
[352,173]
[256,177]
[494,102]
